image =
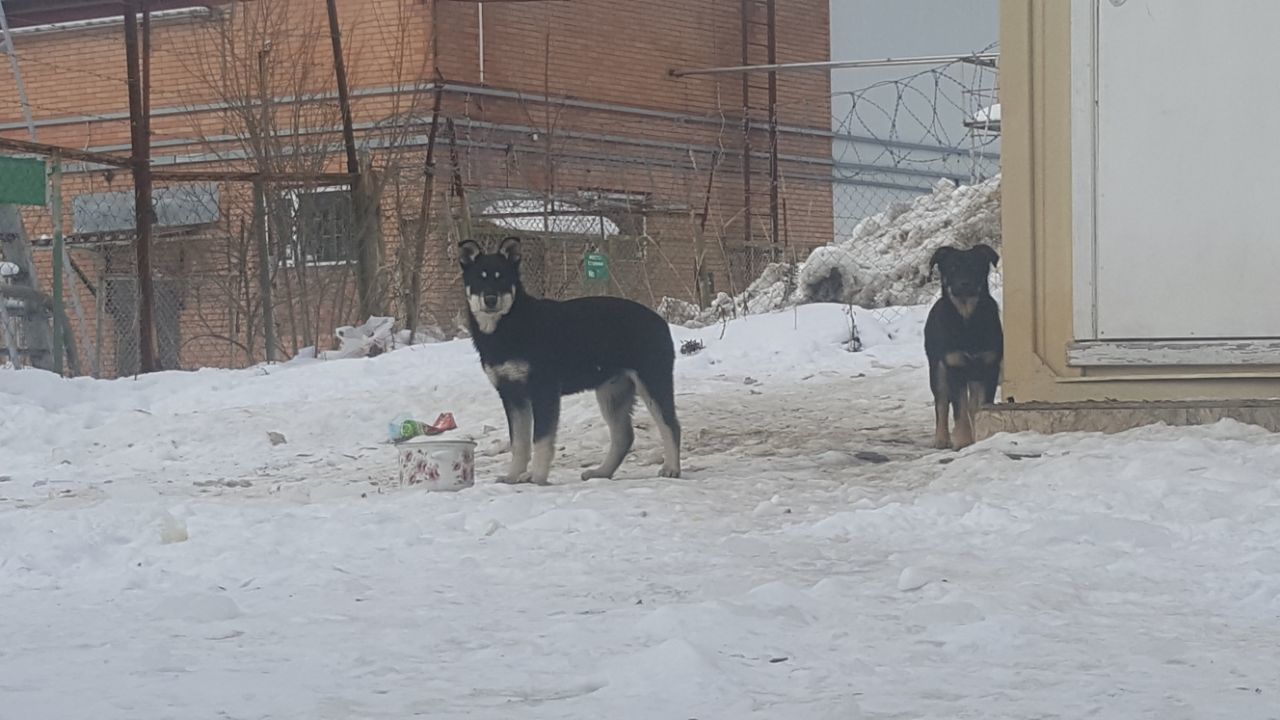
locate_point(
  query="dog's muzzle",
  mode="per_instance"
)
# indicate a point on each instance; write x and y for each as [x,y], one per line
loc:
[490,301]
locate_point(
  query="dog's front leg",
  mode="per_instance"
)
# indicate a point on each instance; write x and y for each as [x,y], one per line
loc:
[941,406]
[958,389]
[520,430]
[546,418]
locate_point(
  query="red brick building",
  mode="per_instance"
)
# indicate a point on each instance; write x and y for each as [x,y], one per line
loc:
[562,115]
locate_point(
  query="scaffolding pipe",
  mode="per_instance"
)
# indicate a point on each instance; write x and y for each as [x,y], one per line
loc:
[464,89]
[983,59]
[141,142]
[55,209]
[10,339]
[746,122]
[84,156]
[772,51]
[12,52]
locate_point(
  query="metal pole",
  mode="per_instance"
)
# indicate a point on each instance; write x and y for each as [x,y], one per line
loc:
[344,100]
[480,37]
[984,59]
[99,310]
[141,145]
[264,269]
[35,148]
[10,340]
[260,213]
[55,209]
[17,74]
[772,42]
[745,10]
[69,276]
[366,257]
[146,66]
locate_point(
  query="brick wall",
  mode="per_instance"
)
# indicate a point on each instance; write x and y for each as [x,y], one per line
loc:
[586,82]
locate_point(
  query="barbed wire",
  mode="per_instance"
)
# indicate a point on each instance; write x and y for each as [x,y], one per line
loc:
[912,172]
[900,101]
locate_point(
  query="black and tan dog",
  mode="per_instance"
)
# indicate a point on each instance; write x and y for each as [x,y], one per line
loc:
[963,340]
[535,351]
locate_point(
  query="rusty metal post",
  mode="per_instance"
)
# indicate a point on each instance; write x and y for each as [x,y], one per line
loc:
[60,330]
[266,299]
[772,51]
[364,209]
[746,123]
[141,163]
[344,99]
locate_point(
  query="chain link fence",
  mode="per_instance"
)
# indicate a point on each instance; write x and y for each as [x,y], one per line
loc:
[100,283]
[915,166]
[212,297]
[644,207]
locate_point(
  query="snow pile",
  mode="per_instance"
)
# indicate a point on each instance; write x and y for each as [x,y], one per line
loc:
[773,290]
[884,263]
[374,337]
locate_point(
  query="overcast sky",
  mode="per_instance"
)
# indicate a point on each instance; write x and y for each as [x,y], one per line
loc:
[866,29]
[876,29]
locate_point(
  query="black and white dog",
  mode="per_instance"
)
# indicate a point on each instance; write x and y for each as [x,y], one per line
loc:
[535,351]
[963,340]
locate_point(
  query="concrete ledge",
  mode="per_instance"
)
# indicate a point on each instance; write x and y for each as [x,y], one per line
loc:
[1115,416]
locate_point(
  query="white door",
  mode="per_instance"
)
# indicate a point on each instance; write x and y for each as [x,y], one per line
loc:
[1186,163]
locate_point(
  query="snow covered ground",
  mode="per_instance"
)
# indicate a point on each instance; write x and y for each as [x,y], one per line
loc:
[161,558]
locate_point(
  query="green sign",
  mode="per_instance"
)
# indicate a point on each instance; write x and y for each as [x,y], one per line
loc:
[22,181]
[597,266]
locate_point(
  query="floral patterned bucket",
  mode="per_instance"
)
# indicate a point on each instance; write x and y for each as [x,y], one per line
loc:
[437,464]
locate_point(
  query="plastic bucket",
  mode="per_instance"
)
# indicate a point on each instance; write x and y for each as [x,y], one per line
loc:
[437,464]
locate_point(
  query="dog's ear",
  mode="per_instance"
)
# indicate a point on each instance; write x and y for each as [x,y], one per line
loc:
[468,251]
[510,247]
[938,256]
[987,252]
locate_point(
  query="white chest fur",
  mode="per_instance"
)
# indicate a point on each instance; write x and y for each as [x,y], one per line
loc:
[511,371]
[487,322]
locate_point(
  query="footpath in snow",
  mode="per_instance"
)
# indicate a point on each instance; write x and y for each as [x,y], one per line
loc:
[160,557]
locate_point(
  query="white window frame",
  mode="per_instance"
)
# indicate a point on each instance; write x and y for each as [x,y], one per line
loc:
[292,196]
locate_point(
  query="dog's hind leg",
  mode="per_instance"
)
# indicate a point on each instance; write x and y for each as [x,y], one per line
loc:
[546,419]
[617,399]
[520,431]
[659,394]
